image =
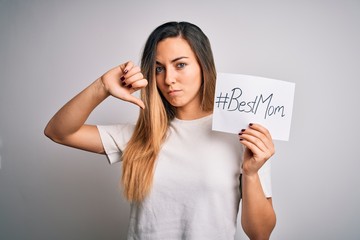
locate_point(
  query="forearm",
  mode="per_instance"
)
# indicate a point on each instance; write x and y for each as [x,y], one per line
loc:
[72,116]
[258,217]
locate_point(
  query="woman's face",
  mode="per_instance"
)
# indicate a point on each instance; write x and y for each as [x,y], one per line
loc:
[178,74]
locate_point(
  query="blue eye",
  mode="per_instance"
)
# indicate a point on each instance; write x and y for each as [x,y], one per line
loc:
[180,65]
[159,69]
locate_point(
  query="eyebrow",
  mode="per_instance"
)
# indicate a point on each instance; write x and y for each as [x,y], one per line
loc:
[172,61]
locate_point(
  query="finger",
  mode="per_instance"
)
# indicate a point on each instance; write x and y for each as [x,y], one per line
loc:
[261,129]
[257,153]
[133,70]
[131,76]
[261,145]
[135,100]
[127,67]
[256,145]
[125,95]
[256,136]
[262,133]
[136,77]
[268,140]
[138,84]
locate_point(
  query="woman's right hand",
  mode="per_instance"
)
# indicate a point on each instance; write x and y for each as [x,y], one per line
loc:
[68,126]
[123,80]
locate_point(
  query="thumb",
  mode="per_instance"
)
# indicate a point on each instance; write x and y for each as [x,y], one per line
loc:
[136,101]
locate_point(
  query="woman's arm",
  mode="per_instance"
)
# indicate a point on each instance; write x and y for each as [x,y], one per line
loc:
[258,217]
[68,126]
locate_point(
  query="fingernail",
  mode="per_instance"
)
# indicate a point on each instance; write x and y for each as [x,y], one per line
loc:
[125,71]
[241,139]
[122,78]
[242,130]
[123,83]
[130,86]
[240,133]
[251,124]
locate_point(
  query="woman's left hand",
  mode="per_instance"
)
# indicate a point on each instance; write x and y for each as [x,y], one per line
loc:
[259,147]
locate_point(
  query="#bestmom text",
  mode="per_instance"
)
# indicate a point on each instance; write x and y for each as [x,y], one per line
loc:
[259,105]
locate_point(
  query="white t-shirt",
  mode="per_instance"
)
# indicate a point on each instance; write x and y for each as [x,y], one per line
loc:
[196,187]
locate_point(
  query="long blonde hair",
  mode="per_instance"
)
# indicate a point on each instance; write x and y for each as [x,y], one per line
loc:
[139,157]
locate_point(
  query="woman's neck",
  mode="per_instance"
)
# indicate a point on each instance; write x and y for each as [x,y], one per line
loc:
[191,115]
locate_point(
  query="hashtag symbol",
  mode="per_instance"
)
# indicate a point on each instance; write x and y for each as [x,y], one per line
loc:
[222,100]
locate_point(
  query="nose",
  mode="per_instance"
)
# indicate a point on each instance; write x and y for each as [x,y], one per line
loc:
[170,77]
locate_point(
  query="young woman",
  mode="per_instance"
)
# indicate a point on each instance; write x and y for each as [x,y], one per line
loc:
[184,181]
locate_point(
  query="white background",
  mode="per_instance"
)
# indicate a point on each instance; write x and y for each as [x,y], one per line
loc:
[50,50]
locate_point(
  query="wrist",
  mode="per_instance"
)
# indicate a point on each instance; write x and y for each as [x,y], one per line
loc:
[250,177]
[100,89]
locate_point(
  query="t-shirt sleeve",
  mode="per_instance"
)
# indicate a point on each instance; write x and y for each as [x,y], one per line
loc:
[265,178]
[114,139]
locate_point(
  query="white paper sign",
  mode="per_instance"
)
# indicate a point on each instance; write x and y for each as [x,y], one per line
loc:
[243,99]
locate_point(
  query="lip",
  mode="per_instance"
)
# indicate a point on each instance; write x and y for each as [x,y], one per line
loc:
[173,92]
